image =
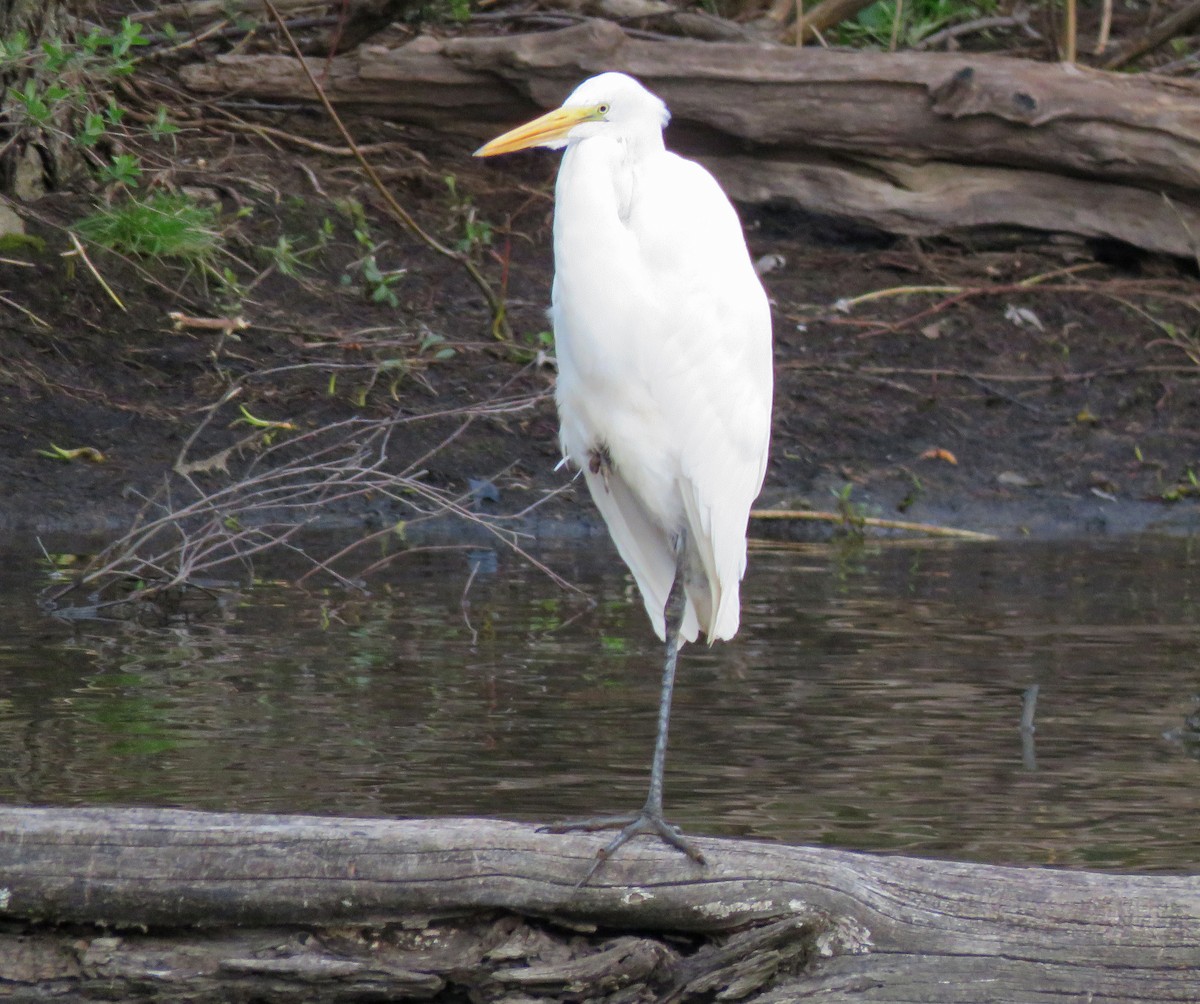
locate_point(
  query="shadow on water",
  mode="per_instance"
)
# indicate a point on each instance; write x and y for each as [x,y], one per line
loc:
[872,700]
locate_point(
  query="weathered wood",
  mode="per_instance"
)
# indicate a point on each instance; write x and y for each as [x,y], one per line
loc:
[1015,143]
[850,926]
[944,198]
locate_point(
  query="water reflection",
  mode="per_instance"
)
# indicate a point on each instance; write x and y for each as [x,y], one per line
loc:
[873,700]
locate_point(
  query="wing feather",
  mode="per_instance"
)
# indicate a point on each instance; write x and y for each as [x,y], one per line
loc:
[664,349]
[718,400]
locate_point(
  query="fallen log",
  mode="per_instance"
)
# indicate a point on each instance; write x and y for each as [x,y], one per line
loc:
[152,904]
[913,143]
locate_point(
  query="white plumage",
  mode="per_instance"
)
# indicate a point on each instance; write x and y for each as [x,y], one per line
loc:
[663,340]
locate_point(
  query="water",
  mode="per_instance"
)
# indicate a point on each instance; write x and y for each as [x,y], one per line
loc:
[871,701]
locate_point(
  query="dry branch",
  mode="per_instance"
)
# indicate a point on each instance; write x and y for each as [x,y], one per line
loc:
[222,507]
[915,143]
[345,905]
[198,10]
[1168,28]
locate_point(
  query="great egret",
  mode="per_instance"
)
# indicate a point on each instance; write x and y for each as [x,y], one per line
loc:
[662,335]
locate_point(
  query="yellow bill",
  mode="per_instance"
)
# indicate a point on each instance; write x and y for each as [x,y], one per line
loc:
[550,129]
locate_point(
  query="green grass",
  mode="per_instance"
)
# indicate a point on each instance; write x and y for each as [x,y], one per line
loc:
[873,25]
[159,226]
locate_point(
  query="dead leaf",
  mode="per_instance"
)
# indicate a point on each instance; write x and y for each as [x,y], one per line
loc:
[1023,317]
[936,453]
[79,453]
[769,263]
[1011,479]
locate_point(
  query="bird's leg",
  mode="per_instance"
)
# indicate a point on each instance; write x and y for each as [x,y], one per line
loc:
[673,615]
[650,818]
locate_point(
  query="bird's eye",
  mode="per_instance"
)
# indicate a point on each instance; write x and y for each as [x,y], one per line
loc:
[601,109]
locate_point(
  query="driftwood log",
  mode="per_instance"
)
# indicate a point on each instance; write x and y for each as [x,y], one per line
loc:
[912,143]
[172,905]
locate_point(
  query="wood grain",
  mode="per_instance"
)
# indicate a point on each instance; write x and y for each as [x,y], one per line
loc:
[770,916]
[912,143]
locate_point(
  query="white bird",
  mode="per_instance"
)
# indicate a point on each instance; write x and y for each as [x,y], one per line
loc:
[662,335]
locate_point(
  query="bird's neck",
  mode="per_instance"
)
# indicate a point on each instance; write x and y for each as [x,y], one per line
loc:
[598,178]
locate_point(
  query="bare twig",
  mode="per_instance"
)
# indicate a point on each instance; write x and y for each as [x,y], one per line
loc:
[1018,19]
[928,529]
[1167,29]
[193,10]
[897,18]
[1070,32]
[26,311]
[274,483]
[1105,28]
[82,254]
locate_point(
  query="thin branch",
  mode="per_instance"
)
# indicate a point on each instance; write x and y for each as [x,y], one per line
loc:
[1070,32]
[1102,35]
[83,255]
[1170,27]
[24,310]
[1018,19]
[928,529]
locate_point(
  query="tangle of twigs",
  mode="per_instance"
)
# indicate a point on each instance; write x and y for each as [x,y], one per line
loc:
[216,513]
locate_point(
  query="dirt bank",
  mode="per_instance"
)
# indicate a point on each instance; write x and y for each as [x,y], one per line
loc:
[1021,386]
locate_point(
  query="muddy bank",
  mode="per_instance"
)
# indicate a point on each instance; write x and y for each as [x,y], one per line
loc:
[1019,387]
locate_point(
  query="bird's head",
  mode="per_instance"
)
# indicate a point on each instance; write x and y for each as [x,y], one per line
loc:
[608,104]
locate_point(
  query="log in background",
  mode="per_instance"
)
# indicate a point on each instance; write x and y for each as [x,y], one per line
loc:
[911,143]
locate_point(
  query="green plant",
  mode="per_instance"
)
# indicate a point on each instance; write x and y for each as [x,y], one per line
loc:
[876,25]
[64,98]
[158,226]
[1187,486]
[534,346]
[476,232]
[284,256]
[853,515]
[435,345]
[123,169]
[379,282]
[438,11]
[161,126]
[290,258]
[912,496]
[63,77]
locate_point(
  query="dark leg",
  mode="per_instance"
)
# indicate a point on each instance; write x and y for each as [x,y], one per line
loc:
[650,818]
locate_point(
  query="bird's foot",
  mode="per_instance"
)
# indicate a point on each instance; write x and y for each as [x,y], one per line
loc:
[647,820]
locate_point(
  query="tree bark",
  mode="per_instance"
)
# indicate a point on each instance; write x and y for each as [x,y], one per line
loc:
[916,143]
[220,906]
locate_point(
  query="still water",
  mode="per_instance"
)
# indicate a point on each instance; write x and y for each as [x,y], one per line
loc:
[872,700]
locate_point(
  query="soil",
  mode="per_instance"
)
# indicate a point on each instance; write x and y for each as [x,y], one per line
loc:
[1017,385]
